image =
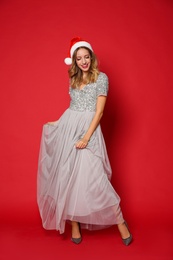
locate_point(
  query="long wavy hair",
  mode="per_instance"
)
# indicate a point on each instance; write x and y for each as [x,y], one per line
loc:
[75,73]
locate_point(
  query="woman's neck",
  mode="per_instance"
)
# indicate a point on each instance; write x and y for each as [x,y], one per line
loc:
[84,76]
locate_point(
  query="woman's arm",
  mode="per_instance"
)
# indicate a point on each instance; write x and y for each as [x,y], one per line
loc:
[101,101]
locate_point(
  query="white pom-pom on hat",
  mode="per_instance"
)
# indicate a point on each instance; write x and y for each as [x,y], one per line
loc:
[68,61]
[74,44]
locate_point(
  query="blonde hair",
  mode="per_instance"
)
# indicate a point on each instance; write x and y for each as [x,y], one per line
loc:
[75,73]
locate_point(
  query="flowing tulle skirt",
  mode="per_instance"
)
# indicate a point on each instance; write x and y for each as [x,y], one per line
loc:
[74,184]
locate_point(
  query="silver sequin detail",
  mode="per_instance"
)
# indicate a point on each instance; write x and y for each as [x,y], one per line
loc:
[86,98]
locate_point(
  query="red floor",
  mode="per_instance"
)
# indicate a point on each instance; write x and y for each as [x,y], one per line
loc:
[26,239]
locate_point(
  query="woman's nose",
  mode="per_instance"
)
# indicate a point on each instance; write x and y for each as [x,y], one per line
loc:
[83,61]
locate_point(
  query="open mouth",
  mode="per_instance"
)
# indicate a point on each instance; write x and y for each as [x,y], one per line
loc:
[85,66]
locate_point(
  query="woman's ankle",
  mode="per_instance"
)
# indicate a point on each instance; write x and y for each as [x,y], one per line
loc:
[123,230]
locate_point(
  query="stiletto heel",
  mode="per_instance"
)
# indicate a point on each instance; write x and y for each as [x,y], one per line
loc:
[77,240]
[127,241]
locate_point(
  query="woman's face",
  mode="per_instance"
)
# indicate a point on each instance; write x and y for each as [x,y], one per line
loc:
[83,59]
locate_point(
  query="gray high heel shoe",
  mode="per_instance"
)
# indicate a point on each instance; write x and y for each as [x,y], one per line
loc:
[127,241]
[77,240]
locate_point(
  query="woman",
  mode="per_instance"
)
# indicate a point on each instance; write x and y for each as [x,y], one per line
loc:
[74,171]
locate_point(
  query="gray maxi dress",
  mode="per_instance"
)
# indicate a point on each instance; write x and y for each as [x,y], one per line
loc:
[74,184]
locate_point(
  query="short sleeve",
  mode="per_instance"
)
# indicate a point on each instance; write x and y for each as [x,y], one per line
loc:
[102,85]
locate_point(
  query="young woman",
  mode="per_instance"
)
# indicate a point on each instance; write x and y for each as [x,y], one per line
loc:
[74,171]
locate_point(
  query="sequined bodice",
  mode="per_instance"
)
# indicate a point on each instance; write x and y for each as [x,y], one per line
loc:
[85,99]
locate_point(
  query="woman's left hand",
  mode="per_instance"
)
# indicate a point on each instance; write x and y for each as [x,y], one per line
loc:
[82,143]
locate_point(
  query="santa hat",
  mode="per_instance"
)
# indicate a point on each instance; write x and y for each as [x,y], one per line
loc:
[74,44]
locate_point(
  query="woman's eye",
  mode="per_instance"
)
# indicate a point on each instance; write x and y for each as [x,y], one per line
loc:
[86,57]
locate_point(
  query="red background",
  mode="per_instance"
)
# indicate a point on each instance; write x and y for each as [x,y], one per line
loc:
[133,41]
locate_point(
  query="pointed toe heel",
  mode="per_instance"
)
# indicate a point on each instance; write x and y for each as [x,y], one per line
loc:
[77,240]
[127,241]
